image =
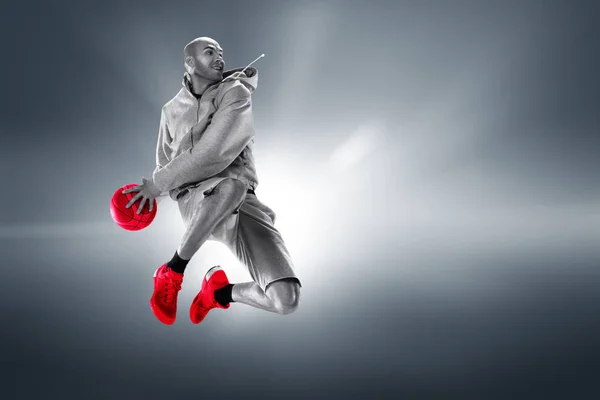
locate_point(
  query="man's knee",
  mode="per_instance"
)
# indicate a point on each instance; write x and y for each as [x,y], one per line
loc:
[285,295]
[231,188]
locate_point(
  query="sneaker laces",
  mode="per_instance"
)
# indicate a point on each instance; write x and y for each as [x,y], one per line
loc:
[170,288]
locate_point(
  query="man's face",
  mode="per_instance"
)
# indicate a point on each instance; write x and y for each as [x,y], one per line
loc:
[208,61]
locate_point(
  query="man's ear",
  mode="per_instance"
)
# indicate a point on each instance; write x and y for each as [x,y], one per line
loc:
[189,61]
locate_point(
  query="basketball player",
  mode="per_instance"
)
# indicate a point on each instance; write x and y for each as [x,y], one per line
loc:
[205,163]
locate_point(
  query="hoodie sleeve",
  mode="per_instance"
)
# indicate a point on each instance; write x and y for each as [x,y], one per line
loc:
[229,132]
[164,140]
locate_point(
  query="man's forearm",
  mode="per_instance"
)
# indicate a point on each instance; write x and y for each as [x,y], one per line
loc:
[188,167]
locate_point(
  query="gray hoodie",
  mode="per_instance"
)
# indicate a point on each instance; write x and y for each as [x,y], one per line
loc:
[207,137]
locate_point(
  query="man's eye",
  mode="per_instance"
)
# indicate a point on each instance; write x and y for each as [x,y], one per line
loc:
[209,52]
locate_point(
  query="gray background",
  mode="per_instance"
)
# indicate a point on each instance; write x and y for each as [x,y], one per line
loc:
[434,170]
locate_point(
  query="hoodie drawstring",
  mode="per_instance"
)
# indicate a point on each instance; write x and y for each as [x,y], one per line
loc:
[242,71]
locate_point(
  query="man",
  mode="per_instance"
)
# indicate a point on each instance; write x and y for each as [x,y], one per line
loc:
[205,162]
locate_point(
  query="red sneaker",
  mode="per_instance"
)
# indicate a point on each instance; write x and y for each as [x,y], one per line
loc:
[205,301]
[167,284]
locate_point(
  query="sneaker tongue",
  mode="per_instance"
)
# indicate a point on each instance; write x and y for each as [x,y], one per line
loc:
[172,274]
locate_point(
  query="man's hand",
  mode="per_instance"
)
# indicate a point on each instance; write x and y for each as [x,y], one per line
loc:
[147,191]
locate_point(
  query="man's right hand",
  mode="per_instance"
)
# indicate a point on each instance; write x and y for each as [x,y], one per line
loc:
[147,192]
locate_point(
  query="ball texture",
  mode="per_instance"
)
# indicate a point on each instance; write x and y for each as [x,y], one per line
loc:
[128,218]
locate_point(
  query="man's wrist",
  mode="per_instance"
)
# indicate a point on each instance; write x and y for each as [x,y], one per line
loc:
[156,191]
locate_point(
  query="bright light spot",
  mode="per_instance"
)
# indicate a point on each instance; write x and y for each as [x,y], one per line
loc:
[360,143]
[294,202]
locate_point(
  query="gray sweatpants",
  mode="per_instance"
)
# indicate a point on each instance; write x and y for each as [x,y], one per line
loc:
[249,233]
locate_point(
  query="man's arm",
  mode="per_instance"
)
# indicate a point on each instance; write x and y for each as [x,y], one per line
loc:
[229,132]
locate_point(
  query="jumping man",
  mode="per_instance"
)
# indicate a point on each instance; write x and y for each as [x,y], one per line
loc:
[205,163]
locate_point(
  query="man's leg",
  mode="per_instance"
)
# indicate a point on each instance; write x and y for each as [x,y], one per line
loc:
[281,296]
[201,215]
[260,246]
[219,204]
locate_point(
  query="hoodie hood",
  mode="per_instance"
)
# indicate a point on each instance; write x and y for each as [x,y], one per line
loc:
[249,78]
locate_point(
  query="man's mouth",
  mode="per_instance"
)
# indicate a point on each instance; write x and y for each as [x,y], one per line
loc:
[218,67]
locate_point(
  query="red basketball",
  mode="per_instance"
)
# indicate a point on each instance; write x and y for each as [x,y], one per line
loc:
[128,218]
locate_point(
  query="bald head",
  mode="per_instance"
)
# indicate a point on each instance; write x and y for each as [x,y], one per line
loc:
[203,62]
[196,46]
